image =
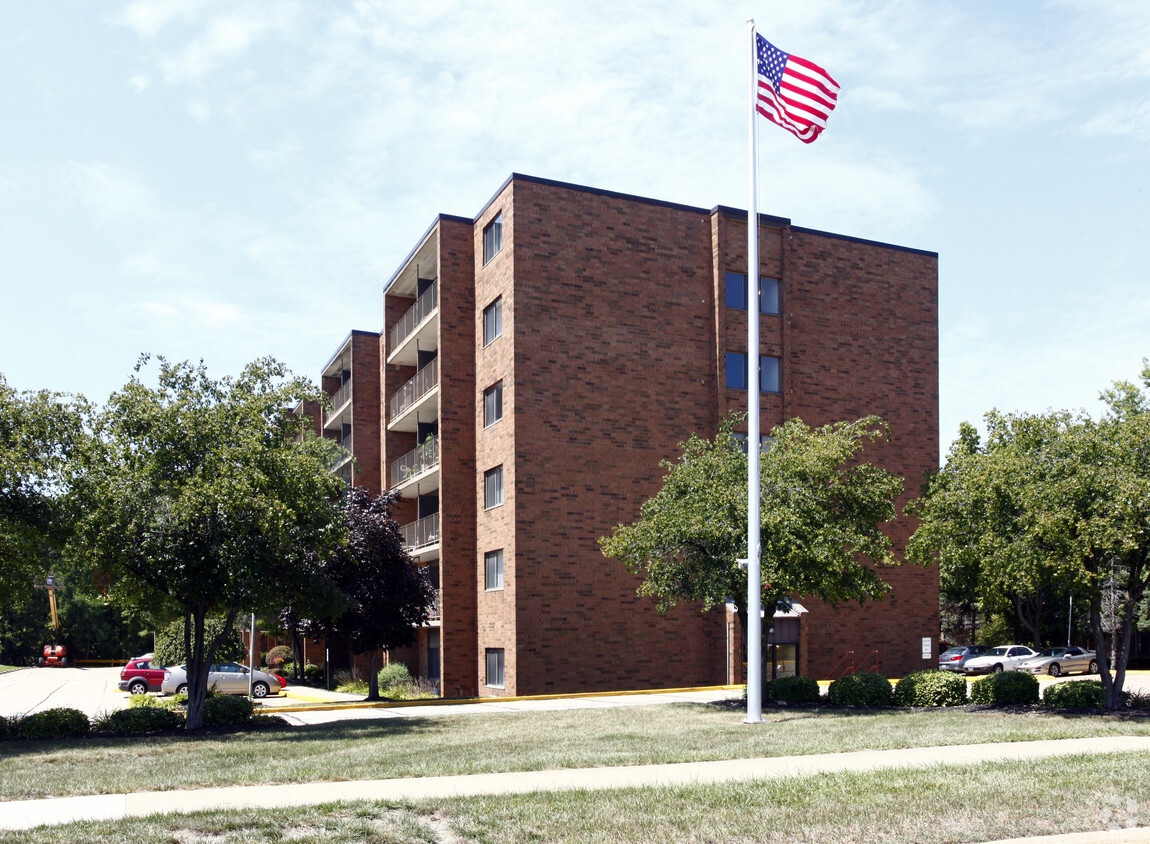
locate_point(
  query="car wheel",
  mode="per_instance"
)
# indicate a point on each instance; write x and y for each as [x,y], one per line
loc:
[998,668]
[259,690]
[1054,670]
[182,689]
[1093,669]
[137,687]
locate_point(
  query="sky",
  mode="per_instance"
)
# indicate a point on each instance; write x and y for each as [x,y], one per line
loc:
[205,179]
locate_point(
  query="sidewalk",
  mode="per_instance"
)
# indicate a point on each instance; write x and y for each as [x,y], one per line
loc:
[31,813]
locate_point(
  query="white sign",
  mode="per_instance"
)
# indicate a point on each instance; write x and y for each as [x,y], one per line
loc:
[926,647]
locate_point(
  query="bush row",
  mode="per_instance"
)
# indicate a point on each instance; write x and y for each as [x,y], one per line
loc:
[945,688]
[139,717]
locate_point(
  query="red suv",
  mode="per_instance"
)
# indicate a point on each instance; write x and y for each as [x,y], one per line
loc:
[141,675]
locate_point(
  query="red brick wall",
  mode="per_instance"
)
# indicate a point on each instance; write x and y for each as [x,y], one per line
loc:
[365,440]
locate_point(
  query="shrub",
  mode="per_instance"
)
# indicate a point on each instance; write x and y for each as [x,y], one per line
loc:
[313,673]
[393,674]
[860,690]
[1008,688]
[224,711]
[278,656]
[53,723]
[8,727]
[141,720]
[1084,693]
[930,688]
[793,690]
[1137,699]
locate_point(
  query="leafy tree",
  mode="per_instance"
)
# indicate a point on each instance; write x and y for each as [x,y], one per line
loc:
[170,649]
[38,434]
[205,495]
[387,595]
[1053,501]
[821,512]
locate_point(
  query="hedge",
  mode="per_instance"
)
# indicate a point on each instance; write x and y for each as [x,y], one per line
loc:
[142,720]
[870,690]
[53,723]
[793,690]
[931,688]
[1007,688]
[1084,693]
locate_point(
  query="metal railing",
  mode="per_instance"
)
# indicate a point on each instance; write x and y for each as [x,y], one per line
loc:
[424,382]
[416,462]
[421,533]
[338,400]
[437,607]
[426,303]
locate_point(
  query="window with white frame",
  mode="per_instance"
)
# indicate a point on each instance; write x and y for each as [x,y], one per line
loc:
[492,404]
[493,487]
[493,321]
[493,238]
[493,570]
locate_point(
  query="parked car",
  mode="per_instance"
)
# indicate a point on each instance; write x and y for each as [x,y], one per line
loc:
[955,657]
[227,678]
[1002,658]
[1058,661]
[141,675]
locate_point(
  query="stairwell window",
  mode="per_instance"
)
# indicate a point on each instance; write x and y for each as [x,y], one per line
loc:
[492,404]
[493,488]
[493,321]
[495,668]
[770,372]
[493,238]
[493,570]
[738,296]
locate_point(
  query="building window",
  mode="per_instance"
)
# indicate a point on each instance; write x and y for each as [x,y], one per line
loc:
[493,487]
[493,570]
[493,238]
[492,321]
[492,404]
[768,293]
[770,372]
[495,667]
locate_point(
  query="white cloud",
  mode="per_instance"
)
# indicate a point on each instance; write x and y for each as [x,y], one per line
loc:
[139,83]
[1131,119]
[200,110]
[107,194]
[149,17]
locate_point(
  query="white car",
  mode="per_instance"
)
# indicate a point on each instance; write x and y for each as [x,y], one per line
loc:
[227,678]
[1002,658]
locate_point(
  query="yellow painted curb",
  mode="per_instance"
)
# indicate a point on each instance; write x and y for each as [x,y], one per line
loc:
[323,706]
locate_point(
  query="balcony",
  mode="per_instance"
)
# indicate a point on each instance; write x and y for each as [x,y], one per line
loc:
[417,472]
[421,538]
[416,330]
[436,611]
[342,396]
[420,394]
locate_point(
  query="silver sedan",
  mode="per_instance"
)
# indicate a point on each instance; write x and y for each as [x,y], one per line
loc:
[227,678]
[1058,661]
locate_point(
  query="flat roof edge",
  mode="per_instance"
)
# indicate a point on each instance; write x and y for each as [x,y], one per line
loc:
[439,218]
[771,220]
[555,183]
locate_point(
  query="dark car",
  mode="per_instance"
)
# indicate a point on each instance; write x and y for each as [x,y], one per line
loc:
[141,675]
[954,658]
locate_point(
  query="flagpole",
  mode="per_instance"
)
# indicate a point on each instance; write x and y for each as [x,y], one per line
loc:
[754,575]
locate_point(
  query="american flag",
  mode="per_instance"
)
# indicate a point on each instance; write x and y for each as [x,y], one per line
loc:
[794,93]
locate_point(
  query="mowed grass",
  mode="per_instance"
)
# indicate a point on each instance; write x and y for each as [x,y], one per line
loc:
[940,804]
[482,743]
[4,668]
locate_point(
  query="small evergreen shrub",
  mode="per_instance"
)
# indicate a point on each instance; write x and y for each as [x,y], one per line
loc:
[1084,693]
[223,711]
[393,674]
[53,723]
[1008,688]
[931,688]
[7,727]
[793,690]
[313,673]
[278,656]
[870,690]
[145,719]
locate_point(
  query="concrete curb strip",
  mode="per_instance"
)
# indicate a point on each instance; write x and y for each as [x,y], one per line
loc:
[30,813]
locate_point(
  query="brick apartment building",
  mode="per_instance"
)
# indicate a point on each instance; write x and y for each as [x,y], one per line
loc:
[536,364]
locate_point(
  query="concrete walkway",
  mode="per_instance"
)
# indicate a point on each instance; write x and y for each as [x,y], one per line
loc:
[27,814]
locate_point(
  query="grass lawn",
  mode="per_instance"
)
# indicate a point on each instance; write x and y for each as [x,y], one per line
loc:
[952,804]
[480,743]
[4,668]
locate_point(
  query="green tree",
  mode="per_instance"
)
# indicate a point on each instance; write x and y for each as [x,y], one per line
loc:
[821,516]
[39,432]
[170,642]
[1053,501]
[206,496]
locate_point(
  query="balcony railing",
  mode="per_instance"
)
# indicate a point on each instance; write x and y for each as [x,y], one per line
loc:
[338,400]
[422,533]
[424,382]
[416,462]
[424,305]
[436,608]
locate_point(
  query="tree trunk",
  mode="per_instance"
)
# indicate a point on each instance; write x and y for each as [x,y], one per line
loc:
[1108,687]
[296,656]
[196,669]
[373,676]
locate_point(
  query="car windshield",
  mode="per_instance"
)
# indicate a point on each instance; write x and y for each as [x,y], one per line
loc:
[953,651]
[1053,652]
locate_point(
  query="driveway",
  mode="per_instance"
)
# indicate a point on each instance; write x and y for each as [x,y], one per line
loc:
[91,690]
